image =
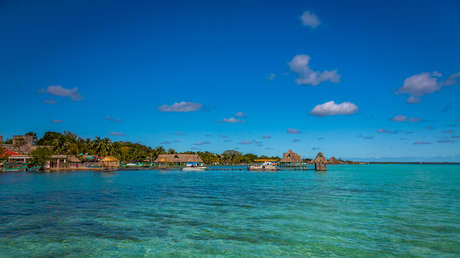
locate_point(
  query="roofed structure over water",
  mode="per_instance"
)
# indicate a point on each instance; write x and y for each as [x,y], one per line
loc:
[291,159]
[320,162]
[168,160]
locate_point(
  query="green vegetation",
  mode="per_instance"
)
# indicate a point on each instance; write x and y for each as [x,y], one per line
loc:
[41,155]
[3,156]
[70,144]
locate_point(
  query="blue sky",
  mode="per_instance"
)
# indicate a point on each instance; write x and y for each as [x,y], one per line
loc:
[310,76]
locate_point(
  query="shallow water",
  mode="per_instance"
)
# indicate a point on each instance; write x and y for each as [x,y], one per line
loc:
[354,211]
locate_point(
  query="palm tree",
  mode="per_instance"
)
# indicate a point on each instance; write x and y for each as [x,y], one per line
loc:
[102,147]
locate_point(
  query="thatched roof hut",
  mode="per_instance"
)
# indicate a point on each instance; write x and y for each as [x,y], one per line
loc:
[110,161]
[291,157]
[320,162]
[179,158]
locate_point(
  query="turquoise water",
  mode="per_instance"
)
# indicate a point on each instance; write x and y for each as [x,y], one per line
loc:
[354,211]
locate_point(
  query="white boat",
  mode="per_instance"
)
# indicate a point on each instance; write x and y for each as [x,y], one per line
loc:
[264,165]
[194,169]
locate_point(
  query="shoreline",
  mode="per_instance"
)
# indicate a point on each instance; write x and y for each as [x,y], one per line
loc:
[237,167]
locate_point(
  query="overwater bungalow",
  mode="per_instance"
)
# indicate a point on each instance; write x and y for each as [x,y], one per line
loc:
[291,160]
[178,160]
[320,162]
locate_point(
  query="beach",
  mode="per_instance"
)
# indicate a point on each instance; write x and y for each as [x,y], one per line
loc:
[350,210]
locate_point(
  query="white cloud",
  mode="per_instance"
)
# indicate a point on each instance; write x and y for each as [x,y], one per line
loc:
[452,79]
[181,107]
[56,121]
[399,118]
[331,109]
[380,130]
[310,19]
[421,142]
[293,131]
[415,119]
[231,120]
[422,84]
[299,64]
[271,76]
[240,114]
[437,74]
[414,100]
[63,92]
[116,134]
[202,143]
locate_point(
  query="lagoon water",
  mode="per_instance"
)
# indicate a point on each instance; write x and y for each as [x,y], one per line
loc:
[354,211]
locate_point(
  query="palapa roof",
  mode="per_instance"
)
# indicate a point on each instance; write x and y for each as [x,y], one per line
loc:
[7,153]
[319,158]
[179,158]
[109,159]
[291,156]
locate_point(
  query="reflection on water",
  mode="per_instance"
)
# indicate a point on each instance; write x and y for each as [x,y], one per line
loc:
[379,210]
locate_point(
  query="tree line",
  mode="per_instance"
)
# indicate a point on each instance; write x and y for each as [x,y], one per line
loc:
[68,143]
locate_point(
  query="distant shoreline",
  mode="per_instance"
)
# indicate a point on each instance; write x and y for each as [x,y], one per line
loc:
[414,163]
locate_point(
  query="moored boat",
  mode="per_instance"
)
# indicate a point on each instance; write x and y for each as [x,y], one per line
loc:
[192,168]
[264,165]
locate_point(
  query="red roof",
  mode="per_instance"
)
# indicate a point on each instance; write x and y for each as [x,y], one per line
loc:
[7,152]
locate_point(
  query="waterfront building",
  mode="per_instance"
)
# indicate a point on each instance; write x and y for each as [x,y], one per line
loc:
[73,162]
[57,162]
[320,162]
[110,162]
[178,160]
[291,160]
